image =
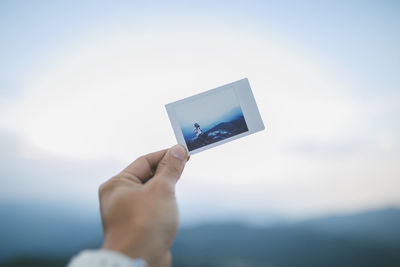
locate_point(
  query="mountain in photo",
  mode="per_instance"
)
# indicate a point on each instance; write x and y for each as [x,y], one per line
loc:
[219,132]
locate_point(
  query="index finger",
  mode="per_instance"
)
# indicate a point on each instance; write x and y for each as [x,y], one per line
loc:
[144,167]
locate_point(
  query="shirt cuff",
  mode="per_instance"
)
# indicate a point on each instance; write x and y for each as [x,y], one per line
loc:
[104,258]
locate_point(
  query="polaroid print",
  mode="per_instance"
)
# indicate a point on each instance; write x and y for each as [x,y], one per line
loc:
[215,117]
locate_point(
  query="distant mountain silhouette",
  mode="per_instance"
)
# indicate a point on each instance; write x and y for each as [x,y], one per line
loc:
[48,235]
[219,132]
[46,231]
[366,239]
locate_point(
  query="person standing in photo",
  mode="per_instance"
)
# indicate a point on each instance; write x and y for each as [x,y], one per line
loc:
[197,130]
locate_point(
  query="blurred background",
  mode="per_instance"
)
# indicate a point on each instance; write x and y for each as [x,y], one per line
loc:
[82,91]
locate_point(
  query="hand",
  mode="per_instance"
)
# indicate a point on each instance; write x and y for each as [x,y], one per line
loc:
[138,206]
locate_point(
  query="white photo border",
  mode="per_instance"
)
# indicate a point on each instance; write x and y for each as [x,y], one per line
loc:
[247,103]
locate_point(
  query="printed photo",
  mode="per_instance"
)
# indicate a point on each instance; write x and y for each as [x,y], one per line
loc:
[210,119]
[215,117]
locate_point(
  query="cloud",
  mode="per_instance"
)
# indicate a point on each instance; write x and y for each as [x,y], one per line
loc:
[40,177]
[327,149]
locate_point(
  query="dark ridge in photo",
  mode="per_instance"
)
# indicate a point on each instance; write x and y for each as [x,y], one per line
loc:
[217,133]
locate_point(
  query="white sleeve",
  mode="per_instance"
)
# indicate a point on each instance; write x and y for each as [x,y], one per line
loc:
[104,258]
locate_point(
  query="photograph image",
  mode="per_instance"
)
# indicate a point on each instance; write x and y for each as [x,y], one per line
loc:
[210,118]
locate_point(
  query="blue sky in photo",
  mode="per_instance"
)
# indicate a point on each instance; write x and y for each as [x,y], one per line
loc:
[208,111]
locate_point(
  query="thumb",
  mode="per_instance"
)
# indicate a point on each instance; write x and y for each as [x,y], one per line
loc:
[171,166]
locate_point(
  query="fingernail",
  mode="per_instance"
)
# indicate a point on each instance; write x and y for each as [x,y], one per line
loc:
[178,152]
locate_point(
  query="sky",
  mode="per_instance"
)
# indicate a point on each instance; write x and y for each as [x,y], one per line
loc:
[83,88]
[206,110]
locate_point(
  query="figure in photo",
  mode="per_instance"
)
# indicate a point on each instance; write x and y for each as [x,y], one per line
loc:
[197,130]
[200,138]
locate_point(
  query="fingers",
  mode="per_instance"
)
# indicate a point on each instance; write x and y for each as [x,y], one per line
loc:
[166,260]
[143,168]
[171,165]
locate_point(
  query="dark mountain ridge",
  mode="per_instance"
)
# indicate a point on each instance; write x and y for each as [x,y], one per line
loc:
[48,235]
[365,239]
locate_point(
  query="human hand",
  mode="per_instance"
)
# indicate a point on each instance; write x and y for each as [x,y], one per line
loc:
[138,206]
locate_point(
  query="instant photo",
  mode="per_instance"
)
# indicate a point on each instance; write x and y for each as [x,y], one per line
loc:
[215,117]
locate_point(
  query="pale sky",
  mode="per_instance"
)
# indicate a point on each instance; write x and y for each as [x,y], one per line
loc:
[83,88]
[206,110]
